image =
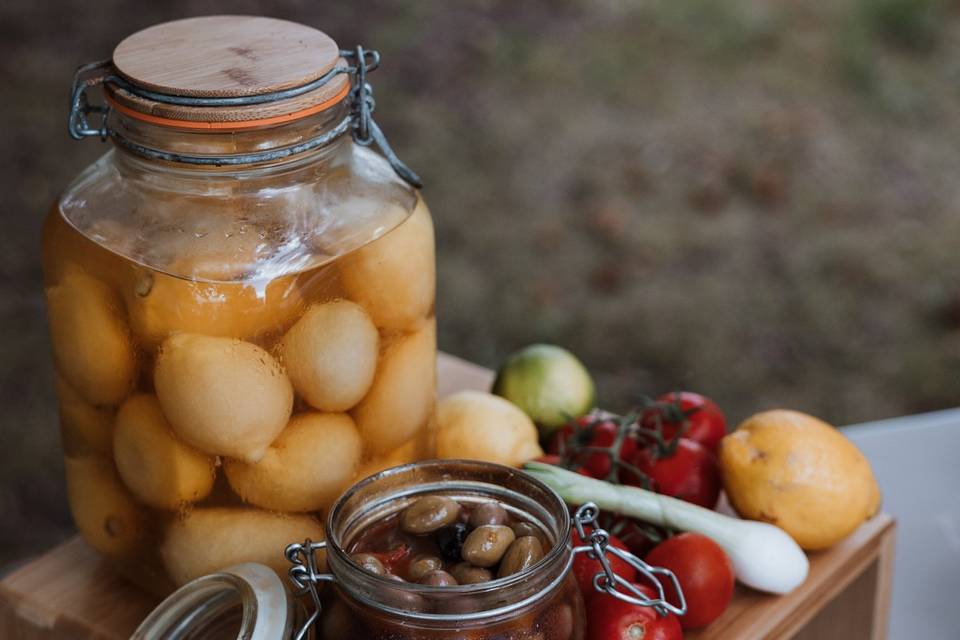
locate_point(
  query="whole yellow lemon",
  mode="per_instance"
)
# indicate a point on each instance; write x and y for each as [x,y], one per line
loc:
[482,426]
[400,401]
[305,469]
[208,539]
[799,473]
[222,396]
[108,517]
[394,277]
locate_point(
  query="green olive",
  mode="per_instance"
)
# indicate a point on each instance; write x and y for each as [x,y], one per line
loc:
[429,514]
[423,564]
[402,598]
[466,573]
[523,553]
[438,578]
[522,529]
[486,545]
[488,513]
[369,563]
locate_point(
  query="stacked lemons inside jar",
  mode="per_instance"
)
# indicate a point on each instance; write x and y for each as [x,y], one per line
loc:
[209,419]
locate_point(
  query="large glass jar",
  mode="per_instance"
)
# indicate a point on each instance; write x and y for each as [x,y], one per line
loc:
[240,297]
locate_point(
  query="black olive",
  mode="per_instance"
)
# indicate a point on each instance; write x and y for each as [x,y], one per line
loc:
[450,540]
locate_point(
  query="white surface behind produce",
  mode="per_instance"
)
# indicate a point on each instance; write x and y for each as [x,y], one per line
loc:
[916,462]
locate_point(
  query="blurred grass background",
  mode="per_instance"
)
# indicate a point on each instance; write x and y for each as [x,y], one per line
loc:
[754,199]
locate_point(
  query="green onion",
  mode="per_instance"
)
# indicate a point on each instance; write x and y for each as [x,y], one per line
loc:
[764,556]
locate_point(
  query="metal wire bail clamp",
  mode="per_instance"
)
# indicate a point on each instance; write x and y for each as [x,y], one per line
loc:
[364,129]
[87,76]
[305,577]
[607,581]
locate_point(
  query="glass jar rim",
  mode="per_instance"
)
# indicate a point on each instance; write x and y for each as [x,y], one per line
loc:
[559,558]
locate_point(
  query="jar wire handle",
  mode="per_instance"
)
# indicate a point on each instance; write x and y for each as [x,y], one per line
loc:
[606,581]
[306,576]
[86,77]
[365,130]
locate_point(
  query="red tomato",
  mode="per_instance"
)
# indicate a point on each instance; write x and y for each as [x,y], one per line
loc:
[590,432]
[394,558]
[705,574]
[691,473]
[584,568]
[705,423]
[611,619]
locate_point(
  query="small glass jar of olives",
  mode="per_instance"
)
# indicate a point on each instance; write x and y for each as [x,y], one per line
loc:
[452,549]
[436,550]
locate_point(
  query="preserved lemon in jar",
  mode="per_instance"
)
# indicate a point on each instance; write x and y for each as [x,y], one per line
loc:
[240,296]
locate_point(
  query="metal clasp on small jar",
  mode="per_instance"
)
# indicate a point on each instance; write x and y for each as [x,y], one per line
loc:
[606,581]
[305,575]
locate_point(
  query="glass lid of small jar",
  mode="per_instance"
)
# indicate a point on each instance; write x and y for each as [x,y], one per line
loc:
[243,602]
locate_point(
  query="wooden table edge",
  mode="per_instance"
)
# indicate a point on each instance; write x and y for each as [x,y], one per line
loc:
[832,572]
[885,527]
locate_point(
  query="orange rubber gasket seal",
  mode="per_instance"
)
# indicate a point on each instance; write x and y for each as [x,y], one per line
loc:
[236,125]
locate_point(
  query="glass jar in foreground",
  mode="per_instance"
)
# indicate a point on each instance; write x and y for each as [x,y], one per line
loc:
[240,298]
[404,512]
[542,602]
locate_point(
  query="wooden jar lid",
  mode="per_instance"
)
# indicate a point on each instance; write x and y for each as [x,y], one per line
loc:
[224,57]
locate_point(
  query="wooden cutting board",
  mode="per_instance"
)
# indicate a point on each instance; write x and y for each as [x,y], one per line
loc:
[67,593]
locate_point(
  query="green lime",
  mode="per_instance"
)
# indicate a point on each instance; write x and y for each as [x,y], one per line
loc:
[548,383]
